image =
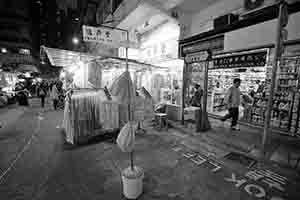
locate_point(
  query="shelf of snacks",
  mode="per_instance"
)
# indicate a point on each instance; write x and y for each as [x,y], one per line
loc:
[225,77]
[285,112]
[216,102]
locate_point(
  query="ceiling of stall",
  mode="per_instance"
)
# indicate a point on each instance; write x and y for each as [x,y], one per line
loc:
[65,58]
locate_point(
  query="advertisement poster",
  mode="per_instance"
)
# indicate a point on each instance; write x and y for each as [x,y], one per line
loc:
[196,73]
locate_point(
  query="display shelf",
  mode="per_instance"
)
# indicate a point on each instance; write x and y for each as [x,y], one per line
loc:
[285,113]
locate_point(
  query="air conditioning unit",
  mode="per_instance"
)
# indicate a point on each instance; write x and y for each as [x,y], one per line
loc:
[222,21]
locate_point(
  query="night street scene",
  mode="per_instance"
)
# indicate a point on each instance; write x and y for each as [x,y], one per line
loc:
[150,99]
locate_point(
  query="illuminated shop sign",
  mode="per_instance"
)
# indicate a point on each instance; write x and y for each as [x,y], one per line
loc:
[243,60]
[216,44]
[197,57]
[163,51]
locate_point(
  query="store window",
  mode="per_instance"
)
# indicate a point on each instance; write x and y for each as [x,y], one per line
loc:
[249,67]
[285,111]
[255,71]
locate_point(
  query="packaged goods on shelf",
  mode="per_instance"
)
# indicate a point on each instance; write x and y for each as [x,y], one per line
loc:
[285,112]
[225,77]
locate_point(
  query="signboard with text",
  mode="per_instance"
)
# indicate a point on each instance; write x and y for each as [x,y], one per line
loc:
[197,57]
[105,35]
[257,59]
[159,51]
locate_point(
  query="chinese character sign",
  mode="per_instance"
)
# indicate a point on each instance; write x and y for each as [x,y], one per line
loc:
[105,35]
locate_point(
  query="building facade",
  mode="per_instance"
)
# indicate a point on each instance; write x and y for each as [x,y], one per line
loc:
[18,34]
[242,40]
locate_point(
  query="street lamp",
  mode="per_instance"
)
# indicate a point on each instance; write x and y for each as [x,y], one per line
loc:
[3,50]
[75,40]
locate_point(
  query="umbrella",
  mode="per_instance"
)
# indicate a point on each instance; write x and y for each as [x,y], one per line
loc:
[126,137]
[21,76]
[123,89]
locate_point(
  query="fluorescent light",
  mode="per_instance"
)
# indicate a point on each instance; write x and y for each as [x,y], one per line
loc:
[24,51]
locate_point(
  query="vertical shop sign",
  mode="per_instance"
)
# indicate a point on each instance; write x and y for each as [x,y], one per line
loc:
[196,66]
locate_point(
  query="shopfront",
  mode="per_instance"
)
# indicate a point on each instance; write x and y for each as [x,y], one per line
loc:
[247,53]
[249,66]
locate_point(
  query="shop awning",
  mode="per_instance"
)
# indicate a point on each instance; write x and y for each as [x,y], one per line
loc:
[16,59]
[116,62]
[66,58]
[27,68]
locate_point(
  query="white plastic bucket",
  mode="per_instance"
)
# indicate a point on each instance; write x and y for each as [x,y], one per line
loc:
[132,182]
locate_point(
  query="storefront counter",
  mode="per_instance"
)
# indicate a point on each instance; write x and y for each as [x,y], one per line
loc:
[174,112]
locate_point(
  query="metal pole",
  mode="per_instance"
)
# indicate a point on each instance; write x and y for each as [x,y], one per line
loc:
[205,87]
[129,115]
[183,92]
[273,79]
[127,39]
[127,70]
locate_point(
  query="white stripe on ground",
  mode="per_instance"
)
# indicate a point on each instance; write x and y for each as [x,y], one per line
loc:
[21,153]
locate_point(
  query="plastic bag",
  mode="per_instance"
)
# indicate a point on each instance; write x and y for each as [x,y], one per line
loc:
[126,137]
[241,112]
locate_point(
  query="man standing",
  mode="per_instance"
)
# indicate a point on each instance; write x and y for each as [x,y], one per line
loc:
[233,101]
[196,99]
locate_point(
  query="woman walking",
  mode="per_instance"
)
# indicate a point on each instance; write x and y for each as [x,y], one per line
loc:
[42,93]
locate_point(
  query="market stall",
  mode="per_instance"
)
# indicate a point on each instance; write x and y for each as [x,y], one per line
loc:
[96,105]
[89,113]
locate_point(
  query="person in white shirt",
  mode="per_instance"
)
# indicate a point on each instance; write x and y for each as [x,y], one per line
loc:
[232,100]
[54,95]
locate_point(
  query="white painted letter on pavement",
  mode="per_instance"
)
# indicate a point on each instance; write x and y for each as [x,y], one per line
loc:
[234,180]
[258,192]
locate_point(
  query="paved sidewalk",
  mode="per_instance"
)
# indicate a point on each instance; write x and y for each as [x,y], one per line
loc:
[247,141]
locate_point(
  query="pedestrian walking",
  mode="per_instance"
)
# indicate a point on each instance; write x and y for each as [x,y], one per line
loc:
[232,100]
[42,93]
[54,96]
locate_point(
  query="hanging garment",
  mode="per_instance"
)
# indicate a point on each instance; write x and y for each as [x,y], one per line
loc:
[88,111]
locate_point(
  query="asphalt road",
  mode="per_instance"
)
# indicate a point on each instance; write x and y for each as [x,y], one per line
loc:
[35,163]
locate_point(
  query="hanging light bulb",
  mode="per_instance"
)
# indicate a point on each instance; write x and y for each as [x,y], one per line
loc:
[75,40]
